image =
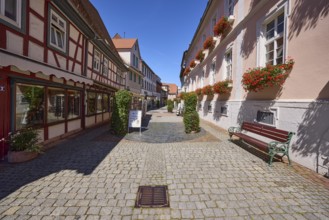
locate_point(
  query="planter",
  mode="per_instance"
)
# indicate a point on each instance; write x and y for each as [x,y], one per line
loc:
[205,52]
[21,156]
[210,97]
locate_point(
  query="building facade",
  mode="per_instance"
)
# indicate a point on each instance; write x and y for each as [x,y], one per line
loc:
[266,34]
[171,89]
[128,49]
[59,68]
[149,89]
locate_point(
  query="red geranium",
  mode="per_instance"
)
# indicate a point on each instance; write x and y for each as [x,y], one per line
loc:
[208,43]
[221,26]
[222,87]
[200,55]
[192,64]
[208,90]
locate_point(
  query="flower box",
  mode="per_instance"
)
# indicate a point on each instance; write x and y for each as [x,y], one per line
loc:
[192,64]
[222,26]
[257,79]
[208,90]
[200,56]
[186,71]
[223,87]
[209,43]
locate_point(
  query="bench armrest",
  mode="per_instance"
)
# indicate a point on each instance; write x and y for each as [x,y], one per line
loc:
[232,130]
[278,147]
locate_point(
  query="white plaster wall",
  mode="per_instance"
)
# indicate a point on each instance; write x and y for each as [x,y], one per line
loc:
[125,56]
[72,47]
[74,33]
[77,69]
[36,28]
[38,6]
[74,125]
[62,61]
[36,52]
[56,130]
[99,118]
[51,58]
[14,43]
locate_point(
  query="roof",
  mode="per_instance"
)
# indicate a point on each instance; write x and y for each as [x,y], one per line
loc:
[123,43]
[172,88]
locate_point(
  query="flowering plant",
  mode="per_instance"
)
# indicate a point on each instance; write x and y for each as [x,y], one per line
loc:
[209,43]
[198,92]
[222,87]
[259,78]
[208,90]
[24,140]
[186,71]
[221,26]
[199,55]
[192,64]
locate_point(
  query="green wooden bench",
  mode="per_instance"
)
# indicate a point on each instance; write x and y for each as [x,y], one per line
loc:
[280,138]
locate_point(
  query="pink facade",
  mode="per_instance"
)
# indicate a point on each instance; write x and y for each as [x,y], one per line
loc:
[268,32]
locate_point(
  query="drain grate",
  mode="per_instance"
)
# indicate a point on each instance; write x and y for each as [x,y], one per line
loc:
[152,197]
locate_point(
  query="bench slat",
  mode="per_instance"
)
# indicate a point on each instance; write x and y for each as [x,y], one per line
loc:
[266,131]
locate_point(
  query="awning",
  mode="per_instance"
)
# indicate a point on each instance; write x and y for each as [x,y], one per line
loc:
[26,64]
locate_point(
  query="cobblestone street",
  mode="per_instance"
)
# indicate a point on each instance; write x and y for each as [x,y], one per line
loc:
[95,176]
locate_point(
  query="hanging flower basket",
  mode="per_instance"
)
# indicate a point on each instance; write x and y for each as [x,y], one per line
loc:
[222,26]
[192,64]
[200,56]
[223,87]
[209,43]
[259,78]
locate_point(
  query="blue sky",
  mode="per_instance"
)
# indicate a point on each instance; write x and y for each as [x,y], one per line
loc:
[164,29]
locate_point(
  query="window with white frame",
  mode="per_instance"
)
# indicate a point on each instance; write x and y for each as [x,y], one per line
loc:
[223,110]
[230,7]
[212,73]
[274,36]
[105,69]
[57,31]
[213,23]
[267,116]
[10,11]
[228,65]
[97,60]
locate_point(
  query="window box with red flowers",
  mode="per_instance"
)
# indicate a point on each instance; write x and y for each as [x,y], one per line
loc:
[186,71]
[209,43]
[192,64]
[257,79]
[223,87]
[198,92]
[208,91]
[200,56]
[222,26]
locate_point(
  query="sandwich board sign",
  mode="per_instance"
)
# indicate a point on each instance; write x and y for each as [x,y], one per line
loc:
[135,119]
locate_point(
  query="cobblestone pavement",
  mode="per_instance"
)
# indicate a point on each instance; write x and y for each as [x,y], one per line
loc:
[91,176]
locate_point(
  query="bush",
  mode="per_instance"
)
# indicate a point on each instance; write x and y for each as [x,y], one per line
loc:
[191,116]
[120,117]
[191,122]
[24,140]
[170,105]
[158,103]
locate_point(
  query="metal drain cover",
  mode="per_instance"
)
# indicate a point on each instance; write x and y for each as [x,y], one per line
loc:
[152,197]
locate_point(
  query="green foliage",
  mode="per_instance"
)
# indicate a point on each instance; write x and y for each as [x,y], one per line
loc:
[120,117]
[190,100]
[24,140]
[191,122]
[158,103]
[191,116]
[170,105]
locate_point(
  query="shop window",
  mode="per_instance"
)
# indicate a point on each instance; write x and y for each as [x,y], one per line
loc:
[74,103]
[91,103]
[10,11]
[106,104]
[29,109]
[56,105]
[99,103]
[57,31]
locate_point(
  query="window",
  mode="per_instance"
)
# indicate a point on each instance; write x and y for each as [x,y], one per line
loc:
[228,65]
[230,7]
[91,103]
[212,73]
[213,23]
[223,110]
[274,40]
[56,105]
[10,11]
[139,79]
[134,77]
[106,104]
[99,103]
[210,107]
[105,69]
[130,75]
[97,60]
[57,31]
[74,101]
[266,117]
[29,109]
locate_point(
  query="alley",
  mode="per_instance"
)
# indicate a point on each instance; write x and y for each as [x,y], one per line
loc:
[96,176]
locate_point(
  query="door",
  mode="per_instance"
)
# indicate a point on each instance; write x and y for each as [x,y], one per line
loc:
[4,111]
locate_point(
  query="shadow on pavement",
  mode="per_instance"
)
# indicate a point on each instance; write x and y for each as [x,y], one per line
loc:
[82,153]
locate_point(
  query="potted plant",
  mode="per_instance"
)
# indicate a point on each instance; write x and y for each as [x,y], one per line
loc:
[23,145]
[200,55]
[223,87]
[222,26]
[259,78]
[209,43]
